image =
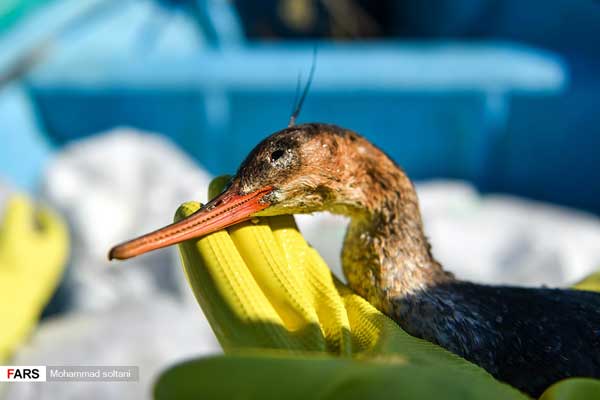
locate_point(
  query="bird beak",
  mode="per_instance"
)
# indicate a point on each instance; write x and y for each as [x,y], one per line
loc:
[225,210]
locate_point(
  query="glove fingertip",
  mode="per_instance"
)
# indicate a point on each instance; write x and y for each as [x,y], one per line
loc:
[217,185]
[186,209]
[17,215]
[18,212]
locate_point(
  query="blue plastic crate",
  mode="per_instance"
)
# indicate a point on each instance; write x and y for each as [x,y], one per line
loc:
[440,109]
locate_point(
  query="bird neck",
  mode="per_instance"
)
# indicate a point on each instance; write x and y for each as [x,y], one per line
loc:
[386,254]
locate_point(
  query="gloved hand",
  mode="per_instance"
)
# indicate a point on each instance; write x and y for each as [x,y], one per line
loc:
[290,329]
[33,254]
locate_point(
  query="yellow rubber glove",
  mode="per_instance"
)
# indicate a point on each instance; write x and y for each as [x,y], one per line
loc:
[590,283]
[290,329]
[33,255]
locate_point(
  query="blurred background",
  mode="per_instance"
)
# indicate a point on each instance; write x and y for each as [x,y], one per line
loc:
[113,112]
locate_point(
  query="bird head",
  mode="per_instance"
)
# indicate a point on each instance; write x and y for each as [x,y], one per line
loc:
[301,169]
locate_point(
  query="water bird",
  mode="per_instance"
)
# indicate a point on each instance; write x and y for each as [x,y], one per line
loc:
[527,337]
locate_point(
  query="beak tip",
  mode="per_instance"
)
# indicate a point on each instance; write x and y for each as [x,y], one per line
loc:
[113,254]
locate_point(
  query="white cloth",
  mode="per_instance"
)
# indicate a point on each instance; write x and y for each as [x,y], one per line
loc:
[112,187]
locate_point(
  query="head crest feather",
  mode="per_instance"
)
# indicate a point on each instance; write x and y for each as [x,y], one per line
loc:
[297,107]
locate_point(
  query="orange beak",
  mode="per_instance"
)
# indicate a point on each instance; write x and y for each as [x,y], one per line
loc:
[224,210]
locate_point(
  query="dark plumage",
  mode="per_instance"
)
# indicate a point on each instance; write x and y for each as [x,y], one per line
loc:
[527,337]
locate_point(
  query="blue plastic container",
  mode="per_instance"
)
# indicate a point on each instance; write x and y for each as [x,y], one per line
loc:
[440,109]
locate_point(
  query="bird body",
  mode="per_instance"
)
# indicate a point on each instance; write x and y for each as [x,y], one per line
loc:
[527,337]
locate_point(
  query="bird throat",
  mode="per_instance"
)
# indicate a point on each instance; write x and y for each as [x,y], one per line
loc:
[386,255]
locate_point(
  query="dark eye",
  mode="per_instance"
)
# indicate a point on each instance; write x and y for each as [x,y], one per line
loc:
[276,155]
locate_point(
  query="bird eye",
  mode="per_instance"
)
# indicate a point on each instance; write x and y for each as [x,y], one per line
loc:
[276,155]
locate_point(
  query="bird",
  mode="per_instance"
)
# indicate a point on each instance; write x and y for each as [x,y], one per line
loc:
[529,338]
